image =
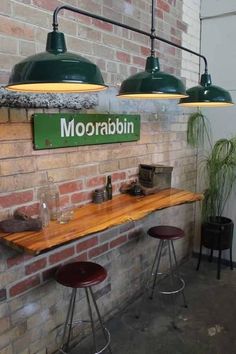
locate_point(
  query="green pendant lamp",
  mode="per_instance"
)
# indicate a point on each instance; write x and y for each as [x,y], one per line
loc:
[152,83]
[206,95]
[56,70]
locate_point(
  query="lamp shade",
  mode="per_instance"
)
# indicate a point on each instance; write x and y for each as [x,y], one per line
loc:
[206,95]
[56,70]
[152,83]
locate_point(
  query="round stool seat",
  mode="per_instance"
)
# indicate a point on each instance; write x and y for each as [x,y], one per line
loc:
[81,274]
[164,232]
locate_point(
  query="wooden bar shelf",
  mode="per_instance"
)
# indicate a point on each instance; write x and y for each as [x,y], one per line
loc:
[94,218]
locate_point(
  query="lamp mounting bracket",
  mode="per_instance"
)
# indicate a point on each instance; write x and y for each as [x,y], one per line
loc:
[151,34]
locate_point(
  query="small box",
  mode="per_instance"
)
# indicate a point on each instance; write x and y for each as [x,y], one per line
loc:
[155,176]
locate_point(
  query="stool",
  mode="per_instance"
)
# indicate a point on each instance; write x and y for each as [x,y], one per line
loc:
[166,235]
[82,275]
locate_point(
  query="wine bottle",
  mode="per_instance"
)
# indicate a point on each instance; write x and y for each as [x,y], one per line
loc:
[109,188]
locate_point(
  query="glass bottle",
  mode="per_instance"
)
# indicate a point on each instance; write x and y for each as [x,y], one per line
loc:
[52,199]
[109,188]
[50,195]
[44,213]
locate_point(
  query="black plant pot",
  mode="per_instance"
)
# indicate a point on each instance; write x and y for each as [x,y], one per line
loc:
[217,234]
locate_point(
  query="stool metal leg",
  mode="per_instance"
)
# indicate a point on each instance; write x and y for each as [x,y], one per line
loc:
[173,282]
[177,272]
[69,320]
[157,260]
[171,264]
[104,330]
[106,333]
[91,319]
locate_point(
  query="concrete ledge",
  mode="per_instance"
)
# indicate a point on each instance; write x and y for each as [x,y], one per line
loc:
[47,100]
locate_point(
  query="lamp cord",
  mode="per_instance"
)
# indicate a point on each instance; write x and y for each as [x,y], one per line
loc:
[151,35]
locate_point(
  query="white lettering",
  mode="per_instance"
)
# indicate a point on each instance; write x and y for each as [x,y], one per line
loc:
[80,129]
[130,127]
[90,129]
[119,126]
[103,130]
[98,124]
[111,127]
[67,130]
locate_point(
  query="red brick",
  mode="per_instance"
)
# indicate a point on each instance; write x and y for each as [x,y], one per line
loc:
[80,18]
[139,61]
[49,273]
[35,266]
[122,56]
[18,259]
[81,197]
[118,241]
[159,14]
[64,200]
[95,181]
[103,25]
[30,210]
[70,187]
[84,245]
[133,70]
[98,250]
[163,5]
[169,50]
[145,51]
[175,40]
[173,31]
[16,199]
[16,29]
[61,255]
[181,25]
[117,176]
[24,285]
[169,69]
[81,257]
[45,4]
[134,234]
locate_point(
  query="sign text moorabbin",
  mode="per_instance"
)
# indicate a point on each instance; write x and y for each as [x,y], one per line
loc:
[62,130]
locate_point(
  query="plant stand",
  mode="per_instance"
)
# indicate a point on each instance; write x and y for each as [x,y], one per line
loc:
[217,234]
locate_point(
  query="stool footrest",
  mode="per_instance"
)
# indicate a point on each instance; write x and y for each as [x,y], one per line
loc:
[107,343]
[174,291]
[164,277]
[102,349]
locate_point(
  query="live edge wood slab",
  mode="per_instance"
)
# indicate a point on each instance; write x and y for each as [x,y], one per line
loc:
[93,218]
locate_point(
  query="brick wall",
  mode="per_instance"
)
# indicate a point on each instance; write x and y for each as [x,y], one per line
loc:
[32,305]
[191,39]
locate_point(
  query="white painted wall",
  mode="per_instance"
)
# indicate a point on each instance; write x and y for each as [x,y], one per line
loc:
[218,45]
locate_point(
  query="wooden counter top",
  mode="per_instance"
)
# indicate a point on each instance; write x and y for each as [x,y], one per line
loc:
[93,218]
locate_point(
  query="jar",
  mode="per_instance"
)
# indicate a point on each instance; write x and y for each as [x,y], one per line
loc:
[50,195]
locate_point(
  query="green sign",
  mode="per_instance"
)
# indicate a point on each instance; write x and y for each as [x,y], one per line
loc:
[64,129]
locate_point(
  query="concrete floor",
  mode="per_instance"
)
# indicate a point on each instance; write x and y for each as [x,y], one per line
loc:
[207,326]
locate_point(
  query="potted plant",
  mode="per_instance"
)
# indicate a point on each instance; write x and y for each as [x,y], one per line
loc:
[218,168]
